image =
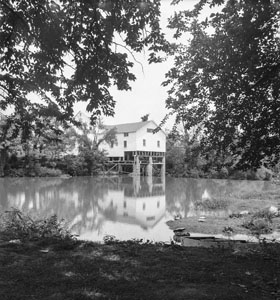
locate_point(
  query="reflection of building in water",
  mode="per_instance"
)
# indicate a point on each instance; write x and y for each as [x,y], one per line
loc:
[92,204]
[137,200]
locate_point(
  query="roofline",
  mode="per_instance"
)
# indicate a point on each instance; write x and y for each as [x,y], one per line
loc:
[144,123]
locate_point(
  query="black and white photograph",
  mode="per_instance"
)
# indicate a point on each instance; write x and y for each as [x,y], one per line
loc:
[139,149]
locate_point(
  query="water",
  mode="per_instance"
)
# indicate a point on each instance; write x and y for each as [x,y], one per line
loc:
[126,207]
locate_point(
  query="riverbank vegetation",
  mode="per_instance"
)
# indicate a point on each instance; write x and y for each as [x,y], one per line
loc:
[185,157]
[74,152]
[58,266]
[224,90]
[70,150]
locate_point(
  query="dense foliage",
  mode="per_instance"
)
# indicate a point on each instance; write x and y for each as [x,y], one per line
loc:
[56,53]
[62,52]
[74,152]
[185,158]
[225,81]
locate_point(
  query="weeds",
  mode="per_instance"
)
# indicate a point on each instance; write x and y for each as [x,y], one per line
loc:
[16,225]
[211,204]
[260,222]
[264,214]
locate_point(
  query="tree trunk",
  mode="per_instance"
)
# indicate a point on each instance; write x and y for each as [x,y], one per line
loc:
[3,159]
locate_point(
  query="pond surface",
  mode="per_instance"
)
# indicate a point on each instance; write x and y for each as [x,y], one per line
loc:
[125,207]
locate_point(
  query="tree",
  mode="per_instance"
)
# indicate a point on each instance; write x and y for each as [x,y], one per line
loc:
[226,80]
[95,40]
[90,156]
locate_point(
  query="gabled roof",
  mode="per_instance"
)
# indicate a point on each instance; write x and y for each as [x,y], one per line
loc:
[80,116]
[128,127]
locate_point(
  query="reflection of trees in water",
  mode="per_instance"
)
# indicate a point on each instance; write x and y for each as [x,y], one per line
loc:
[24,192]
[179,193]
[75,198]
[89,193]
[84,200]
[3,194]
[182,192]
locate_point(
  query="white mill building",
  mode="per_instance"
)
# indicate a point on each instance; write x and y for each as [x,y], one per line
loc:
[137,145]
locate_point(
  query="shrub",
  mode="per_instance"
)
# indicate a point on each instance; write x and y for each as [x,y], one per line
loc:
[211,204]
[258,226]
[223,173]
[48,172]
[264,174]
[237,175]
[260,222]
[16,225]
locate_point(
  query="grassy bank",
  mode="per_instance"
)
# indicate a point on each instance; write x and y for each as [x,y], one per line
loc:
[39,260]
[129,270]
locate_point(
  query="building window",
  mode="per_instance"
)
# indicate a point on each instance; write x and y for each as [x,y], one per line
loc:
[125,134]
[144,143]
[124,204]
[150,130]
[112,144]
[158,204]
[125,144]
[144,206]
[158,144]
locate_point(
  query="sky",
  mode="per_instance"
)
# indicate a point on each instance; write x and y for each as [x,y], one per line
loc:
[147,95]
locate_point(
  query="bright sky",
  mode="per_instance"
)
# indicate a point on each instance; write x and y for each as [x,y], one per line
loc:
[147,95]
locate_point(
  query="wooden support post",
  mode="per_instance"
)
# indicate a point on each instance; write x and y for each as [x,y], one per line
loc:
[119,168]
[163,167]
[136,166]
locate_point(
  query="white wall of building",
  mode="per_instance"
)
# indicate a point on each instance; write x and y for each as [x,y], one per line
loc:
[118,149]
[151,139]
[135,141]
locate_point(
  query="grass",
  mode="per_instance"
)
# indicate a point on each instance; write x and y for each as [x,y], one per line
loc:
[131,270]
[48,263]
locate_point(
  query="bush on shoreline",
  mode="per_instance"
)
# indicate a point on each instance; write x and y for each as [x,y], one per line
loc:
[224,173]
[16,225]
